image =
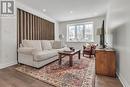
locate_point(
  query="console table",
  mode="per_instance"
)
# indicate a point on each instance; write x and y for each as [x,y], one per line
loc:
[106,62]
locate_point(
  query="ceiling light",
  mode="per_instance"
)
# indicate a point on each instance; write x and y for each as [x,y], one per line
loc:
[44,10]
[95,13]
[71,12]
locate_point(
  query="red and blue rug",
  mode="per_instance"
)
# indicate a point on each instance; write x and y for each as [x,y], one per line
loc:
[81,74]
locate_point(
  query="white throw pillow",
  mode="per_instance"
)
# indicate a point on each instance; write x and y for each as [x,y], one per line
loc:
[88,45]
[32,43]
[46,45]
[57,45]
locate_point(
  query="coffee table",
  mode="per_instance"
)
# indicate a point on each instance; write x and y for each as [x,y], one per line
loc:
[70,54]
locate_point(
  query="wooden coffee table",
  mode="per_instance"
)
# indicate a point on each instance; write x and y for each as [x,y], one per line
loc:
[70,54]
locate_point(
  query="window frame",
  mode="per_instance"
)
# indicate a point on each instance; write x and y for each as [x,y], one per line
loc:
[76,24]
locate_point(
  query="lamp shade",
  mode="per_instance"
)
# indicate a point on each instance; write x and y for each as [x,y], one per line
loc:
[61,36]
[98,31]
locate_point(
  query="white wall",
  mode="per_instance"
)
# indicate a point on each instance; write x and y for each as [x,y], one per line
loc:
[8,41]
[118,22]
[78,45]
[8,38]
[0,39]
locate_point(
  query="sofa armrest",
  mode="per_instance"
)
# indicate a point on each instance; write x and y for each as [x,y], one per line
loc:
[26,50]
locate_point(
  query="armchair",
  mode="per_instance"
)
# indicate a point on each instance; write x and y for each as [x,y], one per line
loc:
[89,50]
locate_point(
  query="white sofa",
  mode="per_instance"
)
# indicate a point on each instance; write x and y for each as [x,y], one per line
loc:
[37,53]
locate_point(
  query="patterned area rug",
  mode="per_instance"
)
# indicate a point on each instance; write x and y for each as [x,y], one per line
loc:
[81,74]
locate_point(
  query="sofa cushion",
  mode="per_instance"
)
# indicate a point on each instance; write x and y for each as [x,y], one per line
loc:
[26,50]
[46,45]
[44,55]
[32,43]
[57,45]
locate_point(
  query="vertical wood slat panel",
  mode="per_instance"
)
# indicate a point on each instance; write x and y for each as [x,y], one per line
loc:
[35,29]
[31,27]
[28,27]
[50,31]
[50,28]
[23,24]
[21,19]
[33,35]
[41,29]
[47,30]
[18,26]
[38,28]
[53,31]
[43,37]
[24,30]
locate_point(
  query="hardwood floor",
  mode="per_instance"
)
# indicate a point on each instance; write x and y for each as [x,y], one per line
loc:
[103,81]
[9,77]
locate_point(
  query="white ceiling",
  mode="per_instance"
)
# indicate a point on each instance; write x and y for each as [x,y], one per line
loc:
[60,9]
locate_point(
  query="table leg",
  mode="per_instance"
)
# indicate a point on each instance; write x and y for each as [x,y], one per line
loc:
[79,54]
[90,56]
[60,59]
[71,60]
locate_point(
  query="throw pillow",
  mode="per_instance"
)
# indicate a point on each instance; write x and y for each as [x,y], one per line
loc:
[46,45]
[32,43]
[56,45]
[87,45]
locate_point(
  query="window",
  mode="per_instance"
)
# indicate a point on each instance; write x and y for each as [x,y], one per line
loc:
[82,32]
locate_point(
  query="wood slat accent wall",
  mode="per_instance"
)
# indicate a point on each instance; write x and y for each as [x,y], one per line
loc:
[32,27]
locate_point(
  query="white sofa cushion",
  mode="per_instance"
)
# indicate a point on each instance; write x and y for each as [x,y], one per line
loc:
[44,55]
[46,45]
[32,43]
[26,50]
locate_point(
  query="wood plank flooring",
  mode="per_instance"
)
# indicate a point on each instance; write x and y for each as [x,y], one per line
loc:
[9,77]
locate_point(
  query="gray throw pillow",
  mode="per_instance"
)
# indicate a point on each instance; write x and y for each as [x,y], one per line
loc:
[57,45]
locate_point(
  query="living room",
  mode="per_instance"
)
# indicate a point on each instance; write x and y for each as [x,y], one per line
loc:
[69,26]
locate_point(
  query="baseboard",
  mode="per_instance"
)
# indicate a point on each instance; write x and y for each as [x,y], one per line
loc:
[4,65]
[123,80]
